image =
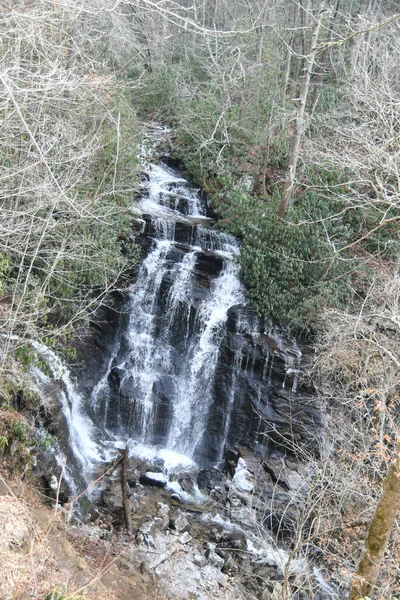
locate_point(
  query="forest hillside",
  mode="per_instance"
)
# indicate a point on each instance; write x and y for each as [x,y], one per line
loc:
[286,114]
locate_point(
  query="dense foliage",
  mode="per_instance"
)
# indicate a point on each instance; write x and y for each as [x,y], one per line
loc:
[291,270]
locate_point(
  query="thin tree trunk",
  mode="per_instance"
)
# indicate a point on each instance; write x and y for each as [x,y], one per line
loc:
[323,59]
[124,484]
[379,533]
[300,118]
[287,67]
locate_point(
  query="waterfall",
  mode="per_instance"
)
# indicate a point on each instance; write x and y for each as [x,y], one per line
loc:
[189,368]
[165,367]
[58,384]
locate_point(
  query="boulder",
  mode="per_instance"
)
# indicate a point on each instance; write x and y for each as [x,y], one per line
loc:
[209,478]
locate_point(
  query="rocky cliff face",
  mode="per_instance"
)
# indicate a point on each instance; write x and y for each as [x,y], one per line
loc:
[182,362]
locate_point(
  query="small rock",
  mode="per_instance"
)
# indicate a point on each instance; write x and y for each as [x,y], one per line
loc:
[199,560]
[176,499]
[185,538]
[230,566]
[144,534]
[163,509]
[162,523]
[179,522]
[154,479]
[214,559]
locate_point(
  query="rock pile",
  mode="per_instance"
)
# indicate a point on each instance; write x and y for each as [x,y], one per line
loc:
[228,545]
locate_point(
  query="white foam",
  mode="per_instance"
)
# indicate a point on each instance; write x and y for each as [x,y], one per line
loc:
[172,461]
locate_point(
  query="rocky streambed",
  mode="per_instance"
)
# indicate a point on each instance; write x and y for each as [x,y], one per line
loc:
[215,533]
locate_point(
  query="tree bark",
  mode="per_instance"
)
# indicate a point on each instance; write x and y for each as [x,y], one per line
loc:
[300,118]
[379,533]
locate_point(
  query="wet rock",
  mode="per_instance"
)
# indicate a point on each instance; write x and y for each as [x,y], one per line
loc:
[45,472]
[154,479]
[243,479]
[137,465]
[186,483]
[176,499]
[179,522]
[209,478]
[231,460]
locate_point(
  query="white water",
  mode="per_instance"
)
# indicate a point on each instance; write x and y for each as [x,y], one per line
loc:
[78,425]
[195,394]
[153,338]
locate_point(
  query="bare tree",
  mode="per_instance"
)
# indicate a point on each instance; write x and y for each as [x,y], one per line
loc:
[61,187]
[300,123]
[358,372]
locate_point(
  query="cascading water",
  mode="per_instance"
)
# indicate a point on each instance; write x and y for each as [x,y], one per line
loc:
[193,368]
[78,427]
[172,340]
[188,368]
